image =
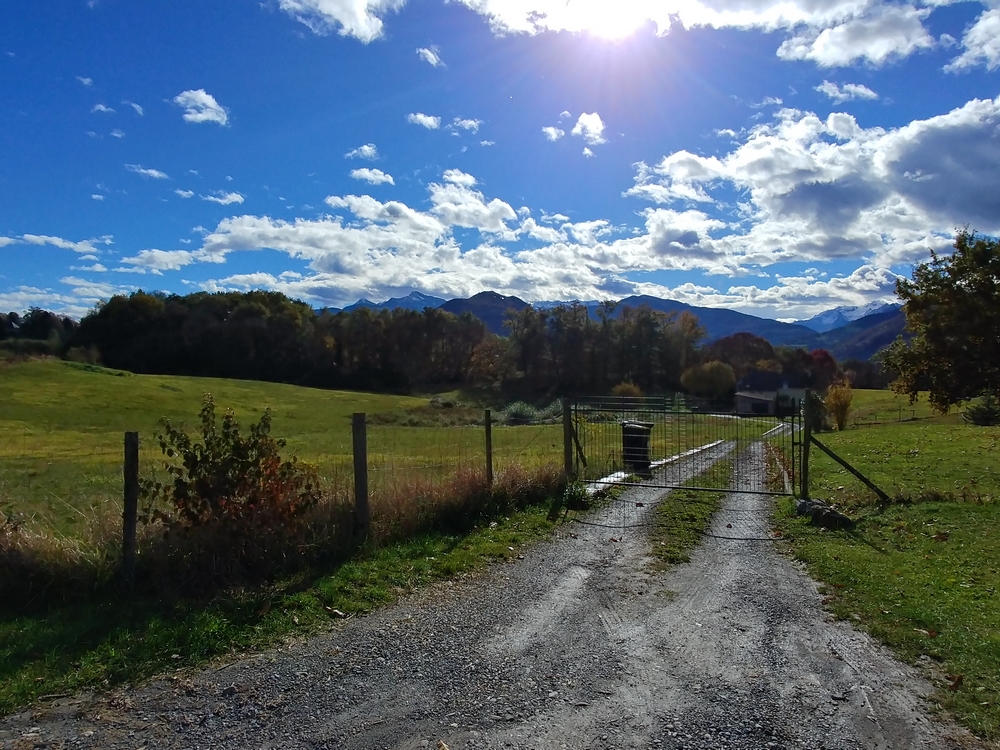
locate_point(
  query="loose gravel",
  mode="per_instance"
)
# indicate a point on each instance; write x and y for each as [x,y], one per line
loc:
[580,644]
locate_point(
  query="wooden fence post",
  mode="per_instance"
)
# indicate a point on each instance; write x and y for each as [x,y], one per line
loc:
[567,415]
[362,511]
[488,421]
[130,475]
[806,440]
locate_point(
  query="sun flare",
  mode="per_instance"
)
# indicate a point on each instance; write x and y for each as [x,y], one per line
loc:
[608,19]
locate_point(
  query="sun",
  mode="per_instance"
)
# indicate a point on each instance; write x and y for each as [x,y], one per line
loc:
[608,19]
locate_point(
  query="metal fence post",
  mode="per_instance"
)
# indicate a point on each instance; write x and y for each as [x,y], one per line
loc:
[567,437]
[488,421]
[362,511]
[806,440]
[130,475]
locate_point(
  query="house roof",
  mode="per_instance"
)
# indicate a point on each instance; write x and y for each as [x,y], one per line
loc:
[758,395]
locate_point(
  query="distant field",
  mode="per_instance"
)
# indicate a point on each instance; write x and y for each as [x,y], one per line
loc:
[62,425]
[885,407]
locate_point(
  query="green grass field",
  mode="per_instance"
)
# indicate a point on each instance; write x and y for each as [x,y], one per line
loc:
[62,425]
[922,573]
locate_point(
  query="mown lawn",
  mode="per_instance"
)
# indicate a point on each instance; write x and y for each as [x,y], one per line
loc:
[922,573]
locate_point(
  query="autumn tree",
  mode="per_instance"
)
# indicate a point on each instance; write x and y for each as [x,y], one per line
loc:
[952,309]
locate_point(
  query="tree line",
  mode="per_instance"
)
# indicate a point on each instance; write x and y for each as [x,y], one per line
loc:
[564,350]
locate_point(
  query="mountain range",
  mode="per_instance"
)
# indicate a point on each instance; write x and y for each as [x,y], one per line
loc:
[847,332]
[841,316]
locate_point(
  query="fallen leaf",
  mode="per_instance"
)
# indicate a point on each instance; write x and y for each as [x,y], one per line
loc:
[942,537]
[442,746]
[956,681]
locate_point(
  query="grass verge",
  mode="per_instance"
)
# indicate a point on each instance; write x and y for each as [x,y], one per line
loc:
[920,574]
[100,644]
[680,520]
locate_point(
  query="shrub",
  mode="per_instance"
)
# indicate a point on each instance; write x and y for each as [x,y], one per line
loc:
[985,413]
[626,389]
[520,413]
[838,403]
[230,478]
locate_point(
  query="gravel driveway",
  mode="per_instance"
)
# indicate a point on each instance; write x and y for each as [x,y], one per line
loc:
[580,644]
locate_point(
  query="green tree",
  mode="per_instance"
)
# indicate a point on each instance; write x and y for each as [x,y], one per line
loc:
[714,379]
[952,308]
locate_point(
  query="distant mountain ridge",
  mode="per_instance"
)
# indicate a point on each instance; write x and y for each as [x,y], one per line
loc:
[841,316]
[412,301]
[489,307]
[863,331]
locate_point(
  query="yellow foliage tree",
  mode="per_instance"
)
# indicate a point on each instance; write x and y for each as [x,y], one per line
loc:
[838,403]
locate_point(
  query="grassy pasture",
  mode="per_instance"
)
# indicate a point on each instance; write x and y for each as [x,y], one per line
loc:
[922,573]
[62,425]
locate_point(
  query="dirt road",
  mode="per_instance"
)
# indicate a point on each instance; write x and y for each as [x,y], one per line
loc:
[578,645]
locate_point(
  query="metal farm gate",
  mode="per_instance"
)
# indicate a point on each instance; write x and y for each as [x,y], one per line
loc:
[681,443]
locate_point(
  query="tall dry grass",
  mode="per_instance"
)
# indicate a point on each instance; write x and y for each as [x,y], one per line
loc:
[40,567]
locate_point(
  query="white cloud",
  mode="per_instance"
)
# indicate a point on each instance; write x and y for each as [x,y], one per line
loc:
[155,174]
[565,115]
[373,176]
[185,193]
[830,189]
[430,55]
[889,32]
[138,109]
[811,190]
[553,133]
[768,101]
[200,106]
[590,127]
[981,42]
[487,143]
[845,93]
[466,124]
[368,151]
[117,133]
[97,196]
[392,247]
[458,177]
[425,121]
[86,81]
[102,108]
[830,32]
[86,247]
[93,268]
[361,19]
[587,152]
[223,198]
[157,261]
[23,298]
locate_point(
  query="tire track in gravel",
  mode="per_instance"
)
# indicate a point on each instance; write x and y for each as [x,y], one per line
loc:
[580,645]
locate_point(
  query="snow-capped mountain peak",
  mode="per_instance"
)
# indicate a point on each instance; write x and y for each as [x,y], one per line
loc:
[841,316]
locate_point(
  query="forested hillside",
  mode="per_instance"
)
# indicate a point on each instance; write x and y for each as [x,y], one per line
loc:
[563,350]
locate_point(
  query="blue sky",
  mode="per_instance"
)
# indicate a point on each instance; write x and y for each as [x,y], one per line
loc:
[778,157]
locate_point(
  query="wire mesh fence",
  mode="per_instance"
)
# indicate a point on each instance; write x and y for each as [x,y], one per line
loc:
[658,440]
[60,479]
